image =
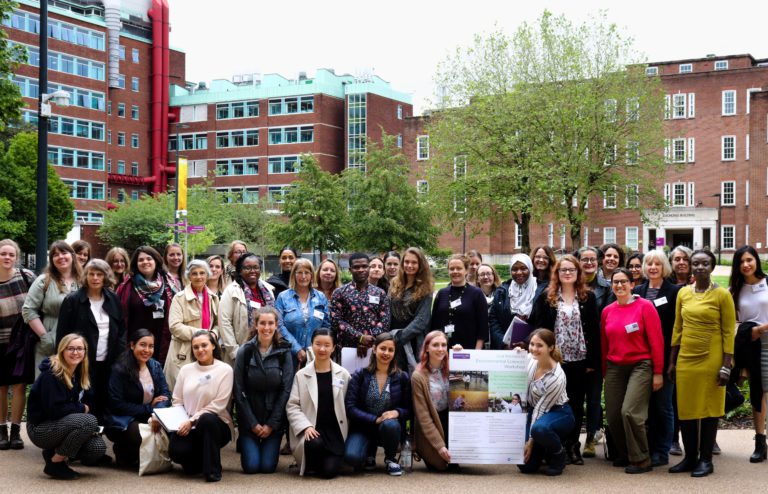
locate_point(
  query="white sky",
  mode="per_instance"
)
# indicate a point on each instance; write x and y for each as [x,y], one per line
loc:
[403,41]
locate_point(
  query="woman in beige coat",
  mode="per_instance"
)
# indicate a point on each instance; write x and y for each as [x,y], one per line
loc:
[316,413]
[430,403]
[192,309]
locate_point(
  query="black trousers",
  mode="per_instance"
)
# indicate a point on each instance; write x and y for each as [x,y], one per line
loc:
[126,444]
[321,461]
[200,450]
[576,389]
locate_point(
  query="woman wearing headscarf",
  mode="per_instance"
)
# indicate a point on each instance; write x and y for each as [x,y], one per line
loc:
[514,298]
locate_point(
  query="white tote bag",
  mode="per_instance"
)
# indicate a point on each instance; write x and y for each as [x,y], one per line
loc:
[153,453]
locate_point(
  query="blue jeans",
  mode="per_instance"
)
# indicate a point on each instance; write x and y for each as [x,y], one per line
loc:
[363,443]
[259,455]
[549,433]
[661,421]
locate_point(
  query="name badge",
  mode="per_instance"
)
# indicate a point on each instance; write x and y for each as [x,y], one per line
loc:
[339,383]
[373,299]
[660,301]
[758,288]
[205,379]
[319,314]
[449,329]
[631,328]
[158,314]
[386,390]
[254,304]
[455,303]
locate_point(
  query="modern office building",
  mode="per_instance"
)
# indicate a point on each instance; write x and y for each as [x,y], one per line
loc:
[246,136]
[114,59]
[716,184]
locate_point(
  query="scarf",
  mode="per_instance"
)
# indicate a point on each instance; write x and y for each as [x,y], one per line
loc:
[266,295]
[521,296]
[206,308]
[151,292]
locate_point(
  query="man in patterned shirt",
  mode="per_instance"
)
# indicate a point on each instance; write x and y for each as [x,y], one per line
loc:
[359,310]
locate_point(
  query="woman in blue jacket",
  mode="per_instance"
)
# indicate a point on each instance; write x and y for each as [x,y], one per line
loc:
[302,310]
[136,387]
[263,378]
[378,403]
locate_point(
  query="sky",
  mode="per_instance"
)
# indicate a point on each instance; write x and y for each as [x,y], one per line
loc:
[404,41]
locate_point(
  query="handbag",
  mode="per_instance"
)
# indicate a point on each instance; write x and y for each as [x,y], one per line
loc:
[153,452]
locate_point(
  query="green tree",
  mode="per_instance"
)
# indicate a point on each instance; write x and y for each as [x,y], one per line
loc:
[140,222]
[545,119]
[385,210]
[315,211]
[10,58]
[18,186]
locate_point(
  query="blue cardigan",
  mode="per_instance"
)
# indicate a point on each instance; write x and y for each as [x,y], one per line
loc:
[400,398]
[126,396]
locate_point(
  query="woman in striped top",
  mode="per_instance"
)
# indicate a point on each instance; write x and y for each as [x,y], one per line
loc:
[550,418]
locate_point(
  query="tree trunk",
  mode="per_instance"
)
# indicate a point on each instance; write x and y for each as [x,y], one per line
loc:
[525,231]
[576,235]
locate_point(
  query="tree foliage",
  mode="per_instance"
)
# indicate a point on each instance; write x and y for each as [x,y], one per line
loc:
[10,58]
[546,119]
[315,211]
[18,188]
[384,208]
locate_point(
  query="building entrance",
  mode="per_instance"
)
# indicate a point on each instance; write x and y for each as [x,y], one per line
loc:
[680,237]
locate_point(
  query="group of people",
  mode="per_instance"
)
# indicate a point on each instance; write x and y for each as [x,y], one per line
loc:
[106,342]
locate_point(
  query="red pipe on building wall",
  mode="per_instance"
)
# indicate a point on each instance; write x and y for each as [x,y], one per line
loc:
[165,84]
[157,121]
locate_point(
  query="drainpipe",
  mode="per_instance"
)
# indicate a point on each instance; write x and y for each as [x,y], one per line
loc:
[112,18]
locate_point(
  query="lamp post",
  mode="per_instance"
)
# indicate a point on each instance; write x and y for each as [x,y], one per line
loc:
[44,112]
[179,126]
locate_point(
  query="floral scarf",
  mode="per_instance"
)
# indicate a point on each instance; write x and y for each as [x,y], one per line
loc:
[266,295]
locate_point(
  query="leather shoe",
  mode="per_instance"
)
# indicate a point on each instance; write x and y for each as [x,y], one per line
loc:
[639,467]
[659,462]
[703,468]
[213,477]
[686,465]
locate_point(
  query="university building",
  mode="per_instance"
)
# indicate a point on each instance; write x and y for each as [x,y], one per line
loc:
[716,183]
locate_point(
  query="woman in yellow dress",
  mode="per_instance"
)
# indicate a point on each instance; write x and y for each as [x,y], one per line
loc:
[700,362]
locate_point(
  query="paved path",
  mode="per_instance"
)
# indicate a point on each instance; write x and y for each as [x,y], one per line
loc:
[23,472]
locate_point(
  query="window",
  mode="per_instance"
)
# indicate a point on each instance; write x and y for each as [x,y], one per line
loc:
[188,142]
[678,195]
[135,141]
[135,55]
[678,150]
[135,168]
[238,195]
[238,166]
[287,106]
[518,236]
[609,198]
[121,195]
[422,148]
[237,138]
[746,147]
[89,217]
[610,110]
[63,31]
[197,168]
[651,71]
[121,110]
[75,127]
[109,137]
[121,81]
[193,113]
[239,109]
[678,105]
[121,51]
[686,68]
[729,102]
[422,187]
[400,140]
[691,150]
[121,167]
[399,112]
[276,193]
[721,65]
[728,193]
[631,236]
[121,138]
[632,196]
[82,67]
[291,135]
[633,153]
[76,158]
[459,166]
[609,235]
[357,110]
[633,110]
[284,164]
[728,152]
[134,112]
[135,84]
[551,235]
[728,240]
[80,189]
[134,195]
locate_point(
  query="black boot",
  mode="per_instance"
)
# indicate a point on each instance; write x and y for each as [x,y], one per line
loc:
[689,431]
[4,443]
[576,454]
[555,464]
[708,436]
[16,442]
[760,449]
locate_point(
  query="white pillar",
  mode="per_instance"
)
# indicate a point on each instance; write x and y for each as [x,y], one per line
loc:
[698,237]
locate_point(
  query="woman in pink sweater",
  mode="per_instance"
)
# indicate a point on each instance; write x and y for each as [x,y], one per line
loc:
[633,362]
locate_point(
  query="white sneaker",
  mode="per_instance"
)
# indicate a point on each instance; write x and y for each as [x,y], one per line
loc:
[393,468]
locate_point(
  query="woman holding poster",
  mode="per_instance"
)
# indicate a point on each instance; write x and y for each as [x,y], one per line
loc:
[550,419]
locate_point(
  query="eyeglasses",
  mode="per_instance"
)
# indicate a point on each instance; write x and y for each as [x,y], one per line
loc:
[567,270]
[485,275]
[75,349]
[250,268]
[588,260]
[619,282]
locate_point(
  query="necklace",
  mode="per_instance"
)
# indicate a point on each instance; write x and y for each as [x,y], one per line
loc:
[700,295]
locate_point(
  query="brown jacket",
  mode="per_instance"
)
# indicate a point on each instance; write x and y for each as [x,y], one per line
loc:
[428,435]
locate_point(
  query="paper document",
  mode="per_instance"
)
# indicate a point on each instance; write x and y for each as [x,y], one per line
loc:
[171,418]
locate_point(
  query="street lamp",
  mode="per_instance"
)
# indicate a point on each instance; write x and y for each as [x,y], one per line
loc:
[60,98]
[179,126]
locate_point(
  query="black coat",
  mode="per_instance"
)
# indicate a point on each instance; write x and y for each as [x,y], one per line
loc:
[75,316]
[666,311]
[544,316]
[500,315]
[49,398]
[470,319]
[262,386]
[126,395]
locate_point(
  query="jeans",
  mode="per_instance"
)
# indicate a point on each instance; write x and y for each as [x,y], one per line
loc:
[594,402]
[549,433]
[661,421]
[259,455]
[363,443]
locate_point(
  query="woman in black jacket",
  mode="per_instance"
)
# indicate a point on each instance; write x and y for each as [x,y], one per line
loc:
[378,403]
[136,387]
[460,310]
[569,309]
[94,311]
[263,378]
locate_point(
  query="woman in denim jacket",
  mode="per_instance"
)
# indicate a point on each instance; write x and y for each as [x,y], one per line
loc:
[302,309]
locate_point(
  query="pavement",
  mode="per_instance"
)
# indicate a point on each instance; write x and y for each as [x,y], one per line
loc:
[23,473]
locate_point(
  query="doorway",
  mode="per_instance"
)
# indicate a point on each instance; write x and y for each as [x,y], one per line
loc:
[680,237]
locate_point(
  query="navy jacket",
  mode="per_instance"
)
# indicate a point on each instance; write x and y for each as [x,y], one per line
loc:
[400,398]
[666,311]
[126,395]
[500,315]
[49,398]
[262,386]
[470,319]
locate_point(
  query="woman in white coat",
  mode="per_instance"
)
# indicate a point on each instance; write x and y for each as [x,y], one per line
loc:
[316,412]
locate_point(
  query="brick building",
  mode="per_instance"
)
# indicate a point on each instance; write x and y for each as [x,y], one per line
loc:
[246,136]
[114,59]
[717,181]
